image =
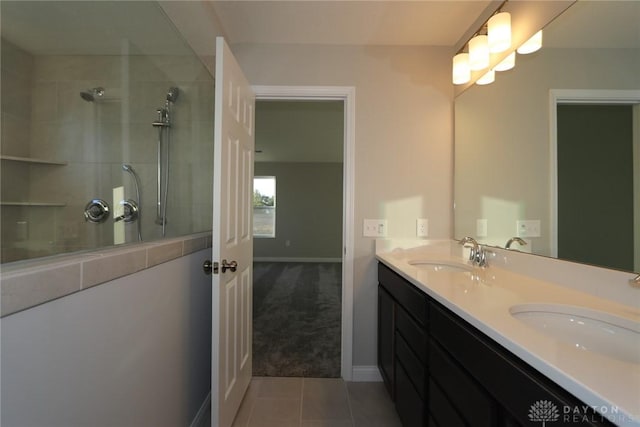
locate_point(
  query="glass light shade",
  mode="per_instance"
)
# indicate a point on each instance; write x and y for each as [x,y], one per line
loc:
[479,52]
[461,70]
[499,32]
[531,45]
[507,63]
[488,78]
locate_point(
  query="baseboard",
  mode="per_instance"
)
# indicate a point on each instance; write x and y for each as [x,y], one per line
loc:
[292,259]
[200,417]
[365,373]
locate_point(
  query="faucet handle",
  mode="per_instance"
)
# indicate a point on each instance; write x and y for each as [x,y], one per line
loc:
[474,252]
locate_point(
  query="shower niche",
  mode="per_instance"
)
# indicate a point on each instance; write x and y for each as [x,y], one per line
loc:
[79,114]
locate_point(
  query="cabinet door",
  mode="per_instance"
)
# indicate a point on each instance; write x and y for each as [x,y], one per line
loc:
[386,350]
[409,405]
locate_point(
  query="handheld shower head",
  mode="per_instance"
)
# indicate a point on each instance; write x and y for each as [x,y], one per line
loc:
[90,95]
[172,94]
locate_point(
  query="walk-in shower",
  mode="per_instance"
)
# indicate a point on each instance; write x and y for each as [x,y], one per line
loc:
[163,124]
[78,127]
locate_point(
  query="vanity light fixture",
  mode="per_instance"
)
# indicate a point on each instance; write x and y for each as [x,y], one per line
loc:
[507,63]
[479,52]
[461,69]
[499,32]
[531,45]
[488,78]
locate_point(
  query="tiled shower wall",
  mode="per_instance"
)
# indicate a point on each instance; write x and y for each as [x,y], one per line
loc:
[17,69]
[96,138]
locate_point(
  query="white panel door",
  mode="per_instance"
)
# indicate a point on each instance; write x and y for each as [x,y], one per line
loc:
[232,238]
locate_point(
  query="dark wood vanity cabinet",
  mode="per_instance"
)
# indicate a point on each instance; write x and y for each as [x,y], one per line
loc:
[441,371]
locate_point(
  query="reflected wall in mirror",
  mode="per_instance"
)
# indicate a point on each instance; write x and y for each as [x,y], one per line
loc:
[506,158]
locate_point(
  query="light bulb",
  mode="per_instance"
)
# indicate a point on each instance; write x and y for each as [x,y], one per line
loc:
[499,32]
[488,78]
[531,45]
[479,52]
[461,70]
[507,63]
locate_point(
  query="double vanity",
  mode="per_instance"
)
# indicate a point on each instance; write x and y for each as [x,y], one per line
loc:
[519,341]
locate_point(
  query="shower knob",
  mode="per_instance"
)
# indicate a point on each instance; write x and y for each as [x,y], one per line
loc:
[96,211]
[130,211]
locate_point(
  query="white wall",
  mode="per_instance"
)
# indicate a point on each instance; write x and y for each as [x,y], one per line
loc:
[130,352]
[403,153]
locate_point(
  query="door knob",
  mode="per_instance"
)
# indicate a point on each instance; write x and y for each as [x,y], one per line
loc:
[229,266]
[209,267]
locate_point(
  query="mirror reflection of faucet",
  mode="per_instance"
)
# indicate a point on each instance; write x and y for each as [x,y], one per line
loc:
[517,240]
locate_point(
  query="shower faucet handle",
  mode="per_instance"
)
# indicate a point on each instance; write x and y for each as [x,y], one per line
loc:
[130,211]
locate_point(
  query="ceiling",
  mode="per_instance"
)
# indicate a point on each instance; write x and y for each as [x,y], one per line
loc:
[335,22]
[99,27]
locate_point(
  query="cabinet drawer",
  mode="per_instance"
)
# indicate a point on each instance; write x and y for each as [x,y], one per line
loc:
[412,365]
[509,380]
[441,409]
[409,405]
[471,401]
[411,299]
[413,333]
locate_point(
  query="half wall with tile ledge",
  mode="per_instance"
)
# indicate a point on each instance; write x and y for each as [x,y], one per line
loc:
[26,284]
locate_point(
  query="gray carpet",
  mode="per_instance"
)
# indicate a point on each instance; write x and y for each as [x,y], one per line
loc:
[297,319]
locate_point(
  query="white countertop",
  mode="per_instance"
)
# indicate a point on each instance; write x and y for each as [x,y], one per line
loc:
[483,298]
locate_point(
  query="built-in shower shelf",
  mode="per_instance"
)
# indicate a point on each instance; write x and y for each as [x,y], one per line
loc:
[35,204]
[32,160]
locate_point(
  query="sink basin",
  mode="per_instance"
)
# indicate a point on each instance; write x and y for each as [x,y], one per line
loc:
[584,328]
[440,266]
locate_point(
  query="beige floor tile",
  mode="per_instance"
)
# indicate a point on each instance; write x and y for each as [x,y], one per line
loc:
[271,411]
[371,405]
[325,399]
[242,417]
[280,387]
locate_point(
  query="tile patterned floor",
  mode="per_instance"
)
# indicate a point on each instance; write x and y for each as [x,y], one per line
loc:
[315,402]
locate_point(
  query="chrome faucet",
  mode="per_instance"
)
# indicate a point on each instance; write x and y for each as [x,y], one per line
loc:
[635,282]
[515,239]
[476,254]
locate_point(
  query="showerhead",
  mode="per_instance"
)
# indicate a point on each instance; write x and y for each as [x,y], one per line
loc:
[90,95]
[128,168]
[172,94]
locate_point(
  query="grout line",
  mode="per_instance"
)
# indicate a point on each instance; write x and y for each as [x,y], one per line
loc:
[353,421]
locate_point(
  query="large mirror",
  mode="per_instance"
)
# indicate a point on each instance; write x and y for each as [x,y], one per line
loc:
[549,151]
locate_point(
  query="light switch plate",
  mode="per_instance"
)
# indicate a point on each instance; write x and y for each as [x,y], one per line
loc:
[528,228]
[374,228]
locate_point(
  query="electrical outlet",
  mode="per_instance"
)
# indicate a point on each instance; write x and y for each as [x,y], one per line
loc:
[374,228]
[481,228]
[528,228]
[422,227]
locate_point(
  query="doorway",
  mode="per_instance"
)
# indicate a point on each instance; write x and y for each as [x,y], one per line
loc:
[298,216]
[602,161]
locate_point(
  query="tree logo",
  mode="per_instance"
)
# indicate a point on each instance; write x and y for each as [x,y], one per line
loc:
[544,411]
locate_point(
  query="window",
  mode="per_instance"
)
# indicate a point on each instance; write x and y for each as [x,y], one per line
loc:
[264,206]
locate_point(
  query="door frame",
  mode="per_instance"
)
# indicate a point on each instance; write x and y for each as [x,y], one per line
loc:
[347,94]
[586,96]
